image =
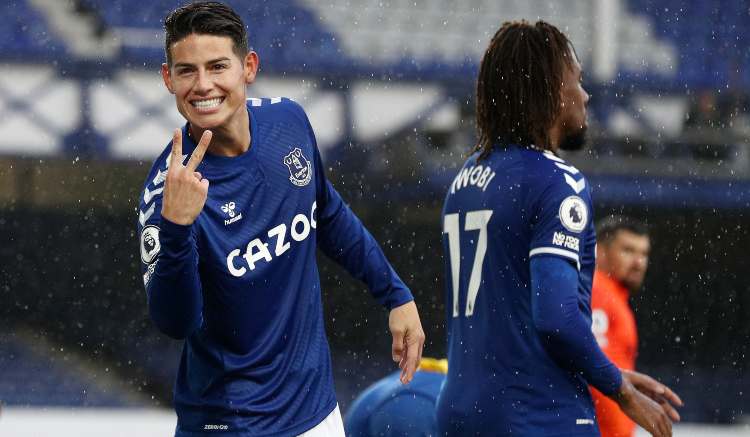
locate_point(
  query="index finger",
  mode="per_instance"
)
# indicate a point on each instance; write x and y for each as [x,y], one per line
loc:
[644,382]
[397,347]
[661,391]
[670,410]
[176,155]
[672,396]
[413,356]
[197,156]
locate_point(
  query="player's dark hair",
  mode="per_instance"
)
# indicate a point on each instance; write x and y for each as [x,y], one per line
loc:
[518,88]
[607,228]
[205,18]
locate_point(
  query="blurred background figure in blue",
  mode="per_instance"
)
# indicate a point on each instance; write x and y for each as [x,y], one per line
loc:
[389,408]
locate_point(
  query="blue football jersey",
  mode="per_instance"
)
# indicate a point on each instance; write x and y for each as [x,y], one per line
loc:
[241,284]
[515,204]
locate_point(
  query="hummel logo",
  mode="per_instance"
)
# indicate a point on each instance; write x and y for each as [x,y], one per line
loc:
[228,209]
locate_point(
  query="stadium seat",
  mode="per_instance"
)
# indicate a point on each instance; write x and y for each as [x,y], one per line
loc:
[29,377]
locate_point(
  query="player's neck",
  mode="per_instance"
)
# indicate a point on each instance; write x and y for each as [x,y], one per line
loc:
[554,139]
[230,139]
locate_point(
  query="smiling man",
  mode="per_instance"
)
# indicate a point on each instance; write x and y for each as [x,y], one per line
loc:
[228,246]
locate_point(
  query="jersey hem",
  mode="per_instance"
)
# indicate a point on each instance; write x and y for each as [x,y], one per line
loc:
[288,432]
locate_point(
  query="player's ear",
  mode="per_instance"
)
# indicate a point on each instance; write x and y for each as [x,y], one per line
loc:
[165,74]
[251,66]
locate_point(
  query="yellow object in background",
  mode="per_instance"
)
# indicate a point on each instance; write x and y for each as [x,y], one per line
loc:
[433,365]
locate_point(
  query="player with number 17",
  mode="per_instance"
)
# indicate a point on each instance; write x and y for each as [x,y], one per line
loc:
[519,240]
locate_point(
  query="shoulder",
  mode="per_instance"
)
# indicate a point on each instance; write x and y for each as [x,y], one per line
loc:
[558,197]
[548,168]
[277,109]
[551,177]
[153,186]
[158,172]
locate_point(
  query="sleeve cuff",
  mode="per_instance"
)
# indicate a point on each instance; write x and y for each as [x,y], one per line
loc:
[568,254]
[398,297]
[613,386]
[174,236]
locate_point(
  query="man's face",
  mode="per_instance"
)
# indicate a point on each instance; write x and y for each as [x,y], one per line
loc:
[573,103]
[625,258]
[208,79]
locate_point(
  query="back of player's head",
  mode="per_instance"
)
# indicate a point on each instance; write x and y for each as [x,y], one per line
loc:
[518,88]
[205,18]
[607,228]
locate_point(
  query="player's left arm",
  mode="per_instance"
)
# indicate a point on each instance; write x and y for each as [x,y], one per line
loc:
[562,221]
[561,325]
[343,238]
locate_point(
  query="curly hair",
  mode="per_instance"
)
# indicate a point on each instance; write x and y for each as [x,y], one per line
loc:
[518,88]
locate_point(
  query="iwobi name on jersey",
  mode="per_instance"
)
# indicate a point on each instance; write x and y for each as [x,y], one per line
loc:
[503,377]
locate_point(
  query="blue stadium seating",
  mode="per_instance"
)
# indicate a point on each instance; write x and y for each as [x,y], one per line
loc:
[711,38]
[28,378]
[288,37]
[25,35]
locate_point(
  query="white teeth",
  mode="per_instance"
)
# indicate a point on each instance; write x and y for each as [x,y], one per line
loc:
[206,104]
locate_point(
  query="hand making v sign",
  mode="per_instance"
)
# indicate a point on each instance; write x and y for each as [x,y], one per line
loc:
[185,190]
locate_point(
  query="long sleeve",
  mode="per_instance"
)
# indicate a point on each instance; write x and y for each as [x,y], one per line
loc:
[564,331]
[343,238]
[175,300]
[169,262]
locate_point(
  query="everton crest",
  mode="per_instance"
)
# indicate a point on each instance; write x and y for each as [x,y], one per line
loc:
[300,170]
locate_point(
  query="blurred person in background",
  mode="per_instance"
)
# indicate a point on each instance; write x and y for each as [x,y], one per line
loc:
[622,251]
[228,246]
[704,113]
[390,409]
[519,240]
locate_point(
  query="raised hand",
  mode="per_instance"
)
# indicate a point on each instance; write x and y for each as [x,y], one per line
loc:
[185,190]
[408,339]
